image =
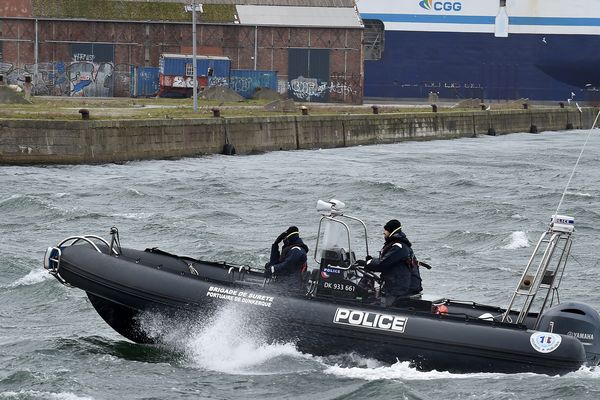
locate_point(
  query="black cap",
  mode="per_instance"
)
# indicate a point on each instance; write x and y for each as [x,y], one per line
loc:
[291,230]
[392,225]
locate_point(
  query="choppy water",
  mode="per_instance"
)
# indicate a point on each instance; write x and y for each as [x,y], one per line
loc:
[473,208]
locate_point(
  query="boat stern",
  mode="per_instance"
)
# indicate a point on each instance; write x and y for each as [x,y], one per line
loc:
[579,321]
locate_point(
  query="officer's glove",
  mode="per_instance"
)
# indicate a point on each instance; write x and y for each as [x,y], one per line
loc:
[280,238]
[361,263]
[269,271]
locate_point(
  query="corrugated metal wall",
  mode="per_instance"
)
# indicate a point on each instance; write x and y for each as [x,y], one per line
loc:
[245,82]
[206,66]
[144,81]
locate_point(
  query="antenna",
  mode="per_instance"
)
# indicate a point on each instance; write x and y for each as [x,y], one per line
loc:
[577,163]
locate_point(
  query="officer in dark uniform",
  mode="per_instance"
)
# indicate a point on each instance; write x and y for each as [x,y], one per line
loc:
[397,264]
[288,265]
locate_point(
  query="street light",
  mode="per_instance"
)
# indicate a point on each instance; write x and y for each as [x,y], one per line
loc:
[193,8]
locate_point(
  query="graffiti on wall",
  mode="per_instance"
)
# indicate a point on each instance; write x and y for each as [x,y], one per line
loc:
[345,88]
[246,82]
[217,81]
[306,88]
[75,78]
[339,88]
[182,82]
[89,79]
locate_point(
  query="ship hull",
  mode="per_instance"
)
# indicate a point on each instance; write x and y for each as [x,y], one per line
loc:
[457,65]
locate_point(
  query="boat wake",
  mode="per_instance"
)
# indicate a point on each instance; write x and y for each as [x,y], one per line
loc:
[227,342]
[584,373]
[403,371]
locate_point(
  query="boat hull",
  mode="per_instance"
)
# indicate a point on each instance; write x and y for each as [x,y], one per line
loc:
[124,289]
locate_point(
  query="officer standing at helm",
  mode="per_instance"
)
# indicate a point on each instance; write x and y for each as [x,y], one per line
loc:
[398,266]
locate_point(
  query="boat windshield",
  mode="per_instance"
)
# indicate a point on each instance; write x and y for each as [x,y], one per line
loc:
[334,236]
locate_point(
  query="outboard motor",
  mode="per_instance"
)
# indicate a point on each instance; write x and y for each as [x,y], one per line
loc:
[578,320]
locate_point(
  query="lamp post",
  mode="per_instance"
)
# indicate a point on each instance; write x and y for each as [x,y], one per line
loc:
[193,7]
[195,67]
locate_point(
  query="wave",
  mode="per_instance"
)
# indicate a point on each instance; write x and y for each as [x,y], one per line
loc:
[24,202]
[384,186]
[135,192]
[578,194]
[463,182]
[34,394]
[32,278]
[517,240]
[134,215]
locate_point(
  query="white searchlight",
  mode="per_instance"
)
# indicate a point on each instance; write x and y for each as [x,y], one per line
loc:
[331,207]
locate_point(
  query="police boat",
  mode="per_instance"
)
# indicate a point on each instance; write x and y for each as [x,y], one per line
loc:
[336,310]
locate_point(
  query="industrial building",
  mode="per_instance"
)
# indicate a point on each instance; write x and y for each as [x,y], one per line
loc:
[92,47]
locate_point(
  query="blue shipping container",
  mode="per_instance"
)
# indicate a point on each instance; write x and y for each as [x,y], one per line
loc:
[246,81]
[179,65]
[144,81]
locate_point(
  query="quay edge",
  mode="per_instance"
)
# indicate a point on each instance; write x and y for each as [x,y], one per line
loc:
[50,142]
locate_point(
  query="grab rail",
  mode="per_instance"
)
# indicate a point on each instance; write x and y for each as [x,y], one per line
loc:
[86,238]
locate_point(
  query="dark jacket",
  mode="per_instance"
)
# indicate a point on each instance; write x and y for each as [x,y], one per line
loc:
[288,264]
[398,266]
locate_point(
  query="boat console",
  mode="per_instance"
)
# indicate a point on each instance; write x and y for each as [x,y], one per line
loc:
[338,274]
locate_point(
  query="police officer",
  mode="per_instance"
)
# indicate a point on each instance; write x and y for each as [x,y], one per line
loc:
[288,265]
[397,264]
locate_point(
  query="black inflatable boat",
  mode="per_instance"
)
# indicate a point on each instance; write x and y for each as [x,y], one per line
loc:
[335,312]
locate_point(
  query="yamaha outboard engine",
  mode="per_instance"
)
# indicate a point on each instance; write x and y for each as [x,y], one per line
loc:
[578,320]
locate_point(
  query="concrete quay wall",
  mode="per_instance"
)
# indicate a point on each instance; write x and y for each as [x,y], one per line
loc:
[24,142]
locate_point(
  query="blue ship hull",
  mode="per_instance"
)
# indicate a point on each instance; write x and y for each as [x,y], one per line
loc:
[478,65]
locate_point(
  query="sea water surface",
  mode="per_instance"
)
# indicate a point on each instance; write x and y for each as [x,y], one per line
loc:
[473,208]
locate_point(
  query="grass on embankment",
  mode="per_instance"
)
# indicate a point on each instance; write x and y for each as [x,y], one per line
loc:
[67,108]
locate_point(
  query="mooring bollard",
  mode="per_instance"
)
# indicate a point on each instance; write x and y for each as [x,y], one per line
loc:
[434,108]
[533,129]
[561,104]
[85,113]
[304,110]
[28,88]
[216,112]
[525,106]
[483,107]
[375,109]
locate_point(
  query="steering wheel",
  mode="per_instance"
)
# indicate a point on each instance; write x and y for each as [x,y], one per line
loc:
[367,273]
